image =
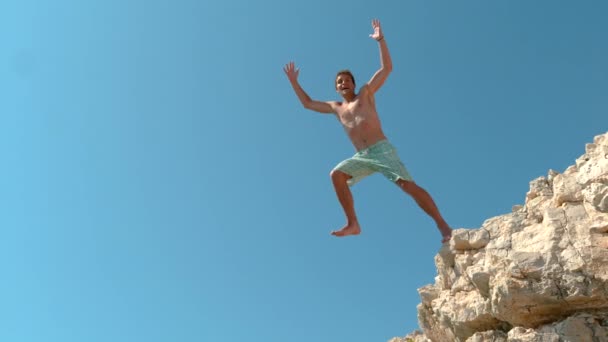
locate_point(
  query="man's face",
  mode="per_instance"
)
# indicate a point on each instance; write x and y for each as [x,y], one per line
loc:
[344,84]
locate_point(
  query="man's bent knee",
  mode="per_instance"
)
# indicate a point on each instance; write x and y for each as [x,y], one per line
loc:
[339,176]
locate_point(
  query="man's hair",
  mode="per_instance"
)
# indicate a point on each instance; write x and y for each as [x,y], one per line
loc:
[346,72]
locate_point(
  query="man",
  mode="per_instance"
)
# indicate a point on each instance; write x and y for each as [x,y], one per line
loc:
[358,115]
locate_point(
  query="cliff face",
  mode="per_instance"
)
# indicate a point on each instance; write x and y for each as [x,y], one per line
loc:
[539,273]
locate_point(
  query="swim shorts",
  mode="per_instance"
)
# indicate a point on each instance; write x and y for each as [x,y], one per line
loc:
[380,157]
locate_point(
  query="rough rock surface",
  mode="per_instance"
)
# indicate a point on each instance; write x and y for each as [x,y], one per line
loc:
[539,273]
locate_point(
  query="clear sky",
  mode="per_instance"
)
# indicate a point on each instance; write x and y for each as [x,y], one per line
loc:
[160,181]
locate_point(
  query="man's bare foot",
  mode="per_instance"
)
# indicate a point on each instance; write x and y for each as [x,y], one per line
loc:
[446,232]
[351,229]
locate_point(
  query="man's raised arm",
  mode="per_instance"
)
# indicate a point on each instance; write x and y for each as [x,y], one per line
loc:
[292,74]
[386,64]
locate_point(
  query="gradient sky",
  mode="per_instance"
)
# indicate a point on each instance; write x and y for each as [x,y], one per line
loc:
[160,180]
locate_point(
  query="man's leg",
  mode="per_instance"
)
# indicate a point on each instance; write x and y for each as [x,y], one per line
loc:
[339,179]
[425,201]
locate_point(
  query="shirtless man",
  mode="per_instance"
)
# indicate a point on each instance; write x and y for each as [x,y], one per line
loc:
[357,114]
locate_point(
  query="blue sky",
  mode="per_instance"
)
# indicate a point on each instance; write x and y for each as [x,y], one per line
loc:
[161,182]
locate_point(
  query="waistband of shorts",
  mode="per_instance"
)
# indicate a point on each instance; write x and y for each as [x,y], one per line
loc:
[376,145]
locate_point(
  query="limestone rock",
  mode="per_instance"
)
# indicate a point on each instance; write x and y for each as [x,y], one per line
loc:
[539,273]
[416,336]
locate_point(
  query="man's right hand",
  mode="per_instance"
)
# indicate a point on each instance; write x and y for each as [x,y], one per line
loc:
[291,71]
[292,74]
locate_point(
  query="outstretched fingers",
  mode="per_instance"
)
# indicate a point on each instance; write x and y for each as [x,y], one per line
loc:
[377,35]
[290,70]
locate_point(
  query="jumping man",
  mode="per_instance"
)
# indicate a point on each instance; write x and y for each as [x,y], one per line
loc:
[358,115]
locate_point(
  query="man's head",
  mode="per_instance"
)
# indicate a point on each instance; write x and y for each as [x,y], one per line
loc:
[345,82]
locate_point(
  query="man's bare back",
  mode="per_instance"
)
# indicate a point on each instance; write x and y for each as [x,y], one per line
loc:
[359,118]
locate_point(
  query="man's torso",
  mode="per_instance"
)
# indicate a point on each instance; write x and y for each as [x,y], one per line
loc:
[360,120]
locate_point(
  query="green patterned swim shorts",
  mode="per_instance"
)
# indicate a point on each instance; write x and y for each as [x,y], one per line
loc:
[380,157]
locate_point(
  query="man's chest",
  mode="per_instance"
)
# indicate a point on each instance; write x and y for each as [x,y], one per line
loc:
[354,114]
[353,109]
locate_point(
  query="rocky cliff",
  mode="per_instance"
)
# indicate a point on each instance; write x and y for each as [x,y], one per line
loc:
[539,273]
